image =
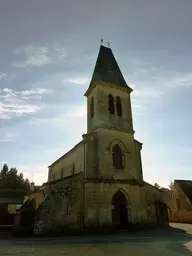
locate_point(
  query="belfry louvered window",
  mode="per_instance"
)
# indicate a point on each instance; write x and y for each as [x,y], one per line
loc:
[111,104]
[118,106]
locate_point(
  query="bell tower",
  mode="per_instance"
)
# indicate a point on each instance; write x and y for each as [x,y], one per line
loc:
[108,96]
[112,151]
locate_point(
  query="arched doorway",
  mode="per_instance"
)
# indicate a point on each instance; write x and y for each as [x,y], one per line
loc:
[120,210]
[162,213]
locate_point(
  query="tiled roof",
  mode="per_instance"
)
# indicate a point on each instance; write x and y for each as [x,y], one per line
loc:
[107,69]
[12,193]
[11,200]
[186,186]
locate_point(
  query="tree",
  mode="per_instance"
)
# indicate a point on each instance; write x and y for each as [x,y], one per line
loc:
[171,185]
[10,179]
[165,189]
[157,185]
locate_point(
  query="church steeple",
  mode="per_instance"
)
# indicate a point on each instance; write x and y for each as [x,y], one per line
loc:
[107,70]
[108,95]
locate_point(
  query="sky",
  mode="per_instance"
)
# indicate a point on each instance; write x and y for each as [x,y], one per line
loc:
[48,50]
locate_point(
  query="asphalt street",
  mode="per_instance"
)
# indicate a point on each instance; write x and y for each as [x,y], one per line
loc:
[175,241]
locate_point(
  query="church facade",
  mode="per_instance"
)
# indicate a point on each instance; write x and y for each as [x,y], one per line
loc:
[99,183]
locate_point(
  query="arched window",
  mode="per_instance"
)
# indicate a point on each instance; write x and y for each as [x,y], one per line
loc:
[117,157]
[92,107]
[111,104]
[53,177]
[118,106]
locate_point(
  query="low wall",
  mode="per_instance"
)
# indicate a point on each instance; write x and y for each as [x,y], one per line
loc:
[181,216]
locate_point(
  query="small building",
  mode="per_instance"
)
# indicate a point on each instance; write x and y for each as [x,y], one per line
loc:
[182,201]
[25,217]
[10,201]
[99,183]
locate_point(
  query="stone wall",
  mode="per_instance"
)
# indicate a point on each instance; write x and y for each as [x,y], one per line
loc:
[70,163]
[180,216]
[98,204]
[185,203]
[101,117]
[106,140]
[37,195]
[150,196]
[60,211]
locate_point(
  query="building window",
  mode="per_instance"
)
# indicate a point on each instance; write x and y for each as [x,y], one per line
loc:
[62,173]
[178,203]
[111,104]
[118,106]
[117,157]
[73,168]
[92,107]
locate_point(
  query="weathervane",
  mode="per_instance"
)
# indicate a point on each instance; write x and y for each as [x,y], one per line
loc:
[108,44]
[101,41]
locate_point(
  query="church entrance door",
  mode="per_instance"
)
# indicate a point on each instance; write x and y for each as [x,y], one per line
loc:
[119,211]
[161,213]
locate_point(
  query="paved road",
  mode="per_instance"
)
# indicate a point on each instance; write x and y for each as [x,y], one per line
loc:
[154,243]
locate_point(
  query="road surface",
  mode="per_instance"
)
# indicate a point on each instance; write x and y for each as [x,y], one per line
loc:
[178,241]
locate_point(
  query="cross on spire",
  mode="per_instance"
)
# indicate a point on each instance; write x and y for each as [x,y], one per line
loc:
[108,43]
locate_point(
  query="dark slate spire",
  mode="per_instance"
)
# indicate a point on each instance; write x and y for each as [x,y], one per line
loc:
[107,69]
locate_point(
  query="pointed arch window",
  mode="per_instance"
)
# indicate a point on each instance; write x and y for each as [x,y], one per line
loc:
[92,107]
[118,106]
[111,104]
[117,157]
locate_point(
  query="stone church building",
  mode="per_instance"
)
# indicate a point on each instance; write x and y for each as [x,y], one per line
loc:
[99,184]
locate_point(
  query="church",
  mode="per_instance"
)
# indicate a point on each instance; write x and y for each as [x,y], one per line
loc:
[98,184]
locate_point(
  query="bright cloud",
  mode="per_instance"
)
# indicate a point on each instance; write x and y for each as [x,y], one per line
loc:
[77,111]
[35,173]
[16,103]
[79,80]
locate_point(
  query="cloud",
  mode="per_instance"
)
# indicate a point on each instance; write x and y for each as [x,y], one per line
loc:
[3,76]
[141,91]
[33,56]
[77,111]
[180,80]
[79,80]
[60,53]
[19,103]
[38,56]
[6,76]
[8,137]
[35,173]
